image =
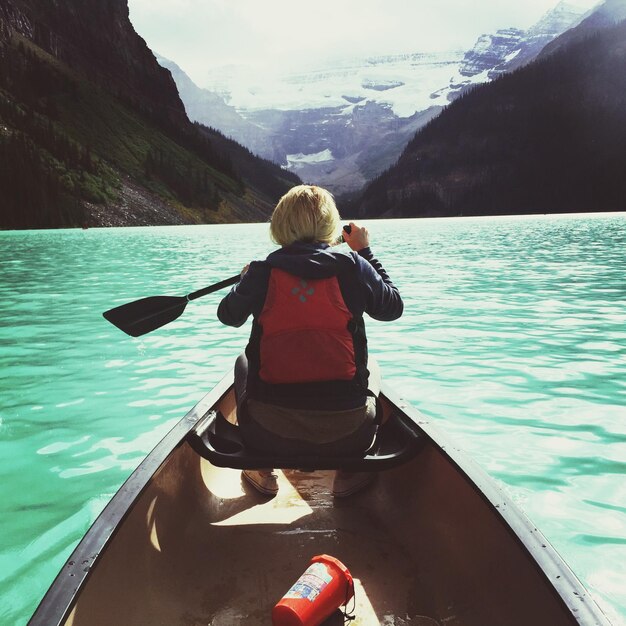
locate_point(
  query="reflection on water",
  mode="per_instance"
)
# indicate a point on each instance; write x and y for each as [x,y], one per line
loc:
[513,340]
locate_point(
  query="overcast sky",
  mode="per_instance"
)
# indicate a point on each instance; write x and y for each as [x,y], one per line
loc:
[280,34]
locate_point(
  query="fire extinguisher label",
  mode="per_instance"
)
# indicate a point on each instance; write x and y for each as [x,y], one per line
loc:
[311,583]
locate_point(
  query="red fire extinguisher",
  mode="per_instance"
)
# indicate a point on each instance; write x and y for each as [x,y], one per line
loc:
[323,587]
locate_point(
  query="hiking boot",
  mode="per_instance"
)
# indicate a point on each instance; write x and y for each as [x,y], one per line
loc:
[264,480]
[347,483]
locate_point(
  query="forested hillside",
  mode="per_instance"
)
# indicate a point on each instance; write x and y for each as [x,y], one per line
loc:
[550,137]
[92,131]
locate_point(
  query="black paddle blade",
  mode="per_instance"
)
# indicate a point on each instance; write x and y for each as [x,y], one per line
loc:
[145,315]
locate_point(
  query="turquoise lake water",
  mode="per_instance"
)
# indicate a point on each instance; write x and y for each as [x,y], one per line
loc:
[513,340]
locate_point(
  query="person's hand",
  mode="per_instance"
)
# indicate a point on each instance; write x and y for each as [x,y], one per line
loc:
[245,269]
[358,237]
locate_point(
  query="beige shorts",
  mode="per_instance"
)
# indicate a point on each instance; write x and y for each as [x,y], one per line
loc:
[311,425]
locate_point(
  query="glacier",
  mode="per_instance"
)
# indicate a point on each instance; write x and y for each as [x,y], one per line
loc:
[405,83]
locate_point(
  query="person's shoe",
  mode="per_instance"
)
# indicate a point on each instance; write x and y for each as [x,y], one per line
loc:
[347,483]
[264,480]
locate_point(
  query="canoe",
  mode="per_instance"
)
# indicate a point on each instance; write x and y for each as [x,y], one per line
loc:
[433,541]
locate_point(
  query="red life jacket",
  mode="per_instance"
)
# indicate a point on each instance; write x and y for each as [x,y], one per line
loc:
[305,335]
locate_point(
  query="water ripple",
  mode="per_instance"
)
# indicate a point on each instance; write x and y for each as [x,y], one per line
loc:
[513,340]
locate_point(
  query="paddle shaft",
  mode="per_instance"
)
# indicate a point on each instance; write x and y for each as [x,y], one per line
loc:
[216,287]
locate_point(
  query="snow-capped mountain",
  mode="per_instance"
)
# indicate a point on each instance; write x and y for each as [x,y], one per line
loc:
[340,126]
[510,48]
[609,13]
[547,138]
[402,82]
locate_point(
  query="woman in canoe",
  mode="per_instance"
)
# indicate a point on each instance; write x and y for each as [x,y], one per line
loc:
[305,384]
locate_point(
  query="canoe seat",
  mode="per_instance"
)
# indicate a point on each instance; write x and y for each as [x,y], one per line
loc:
[219,441]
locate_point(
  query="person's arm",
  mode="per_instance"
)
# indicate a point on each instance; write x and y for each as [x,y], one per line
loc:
[382,298]
[244,297]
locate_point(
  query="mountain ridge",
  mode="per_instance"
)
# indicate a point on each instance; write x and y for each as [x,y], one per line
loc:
[93,131]
[609,13]
[548,137]
[343,125]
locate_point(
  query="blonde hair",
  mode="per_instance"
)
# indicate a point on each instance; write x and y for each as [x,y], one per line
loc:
[305,213]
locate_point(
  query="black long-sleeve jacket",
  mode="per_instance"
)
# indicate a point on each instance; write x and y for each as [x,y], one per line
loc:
[365,287]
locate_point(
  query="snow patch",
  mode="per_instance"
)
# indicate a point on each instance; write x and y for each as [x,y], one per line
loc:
[294,161]
[509,57]
[381,85]
[460,81]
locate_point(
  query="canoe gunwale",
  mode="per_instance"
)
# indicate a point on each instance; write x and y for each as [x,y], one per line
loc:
[549,562]
[59,600]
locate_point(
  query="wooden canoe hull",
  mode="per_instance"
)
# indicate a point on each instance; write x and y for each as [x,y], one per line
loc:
[433,541]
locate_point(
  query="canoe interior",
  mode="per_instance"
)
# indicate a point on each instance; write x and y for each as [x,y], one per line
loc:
[201,548]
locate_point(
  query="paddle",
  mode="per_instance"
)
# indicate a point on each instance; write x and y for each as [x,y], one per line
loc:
[143,316]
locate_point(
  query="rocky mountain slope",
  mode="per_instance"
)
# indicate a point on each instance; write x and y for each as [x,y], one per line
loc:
[511,48]
[548,137]
[340,126]
[609,13]
[93,131]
